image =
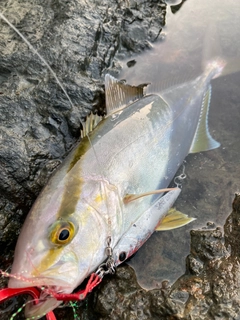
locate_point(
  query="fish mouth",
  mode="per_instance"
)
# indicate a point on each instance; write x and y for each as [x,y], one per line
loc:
[45,304]
[37,308]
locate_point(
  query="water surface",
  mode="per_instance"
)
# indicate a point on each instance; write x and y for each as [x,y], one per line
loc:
[196,32]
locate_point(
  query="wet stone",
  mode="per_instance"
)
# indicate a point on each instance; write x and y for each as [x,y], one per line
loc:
[81,41]
[232,227]
[38,127]
[209,289]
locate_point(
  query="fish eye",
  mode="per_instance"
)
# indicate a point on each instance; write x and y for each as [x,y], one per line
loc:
[62,232]
[64,235]
[122,256]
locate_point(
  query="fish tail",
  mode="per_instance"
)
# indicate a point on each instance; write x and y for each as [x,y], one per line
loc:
[219,67]
[215,68]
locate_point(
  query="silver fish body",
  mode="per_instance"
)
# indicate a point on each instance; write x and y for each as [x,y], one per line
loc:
[143,227]
[135,150]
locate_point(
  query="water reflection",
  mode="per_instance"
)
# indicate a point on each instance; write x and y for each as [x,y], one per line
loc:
[212,177]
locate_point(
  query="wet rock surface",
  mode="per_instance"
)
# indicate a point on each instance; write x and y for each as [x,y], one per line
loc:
[209,289]
[82,40]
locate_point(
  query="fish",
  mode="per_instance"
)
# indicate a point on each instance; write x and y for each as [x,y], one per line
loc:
[110,185]
[107,194]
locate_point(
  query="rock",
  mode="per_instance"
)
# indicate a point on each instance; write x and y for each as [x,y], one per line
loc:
[209,289]
[81,41]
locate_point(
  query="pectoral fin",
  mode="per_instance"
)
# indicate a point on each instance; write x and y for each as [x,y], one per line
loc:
[131,197]
[174,219]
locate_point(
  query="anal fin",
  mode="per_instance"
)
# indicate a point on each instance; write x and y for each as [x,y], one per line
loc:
[174,219]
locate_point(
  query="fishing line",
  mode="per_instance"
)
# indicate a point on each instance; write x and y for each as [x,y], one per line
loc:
[71,103]
[15,276]
[21,309]
[74,306]
[54,75]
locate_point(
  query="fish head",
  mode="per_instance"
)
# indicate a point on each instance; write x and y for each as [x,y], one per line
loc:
[43,252]
[58,252]
[45,258]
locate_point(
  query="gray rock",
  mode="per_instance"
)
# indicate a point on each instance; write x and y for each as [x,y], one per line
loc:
[209,289]
[81,41]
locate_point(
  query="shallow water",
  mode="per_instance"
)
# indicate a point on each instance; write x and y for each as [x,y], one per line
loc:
[196,33]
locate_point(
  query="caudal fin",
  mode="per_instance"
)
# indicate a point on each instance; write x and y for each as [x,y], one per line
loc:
[203,140]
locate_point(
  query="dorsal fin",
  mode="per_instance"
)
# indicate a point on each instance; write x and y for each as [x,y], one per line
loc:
[91,122]
[203,140]
[119,95]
